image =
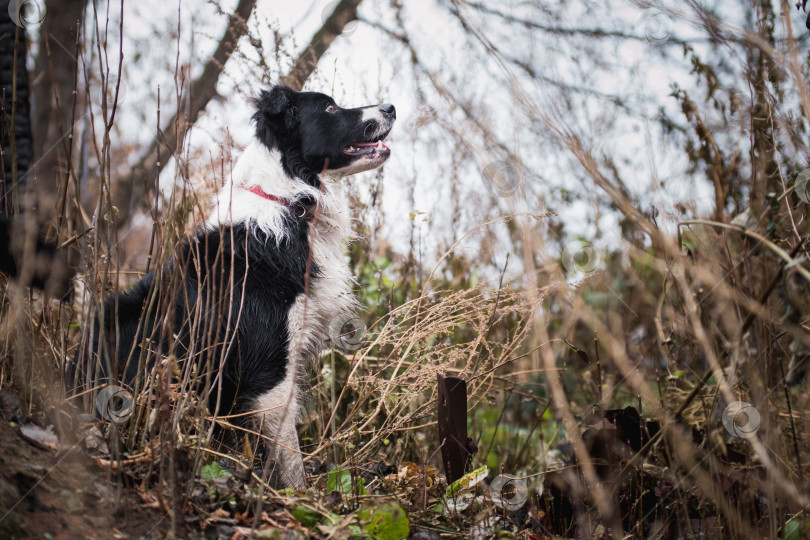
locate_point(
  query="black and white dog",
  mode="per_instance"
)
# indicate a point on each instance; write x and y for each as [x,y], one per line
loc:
[260,285]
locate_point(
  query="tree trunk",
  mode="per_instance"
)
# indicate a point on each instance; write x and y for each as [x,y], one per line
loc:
[14,93]
[54,75]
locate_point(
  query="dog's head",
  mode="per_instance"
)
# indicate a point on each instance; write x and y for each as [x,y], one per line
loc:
[312,133]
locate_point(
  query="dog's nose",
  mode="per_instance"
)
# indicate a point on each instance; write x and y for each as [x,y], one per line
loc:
[388,110]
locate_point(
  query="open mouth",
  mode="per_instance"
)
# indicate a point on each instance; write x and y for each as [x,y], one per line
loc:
[368,149]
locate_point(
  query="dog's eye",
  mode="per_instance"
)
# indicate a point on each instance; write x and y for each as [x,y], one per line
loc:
[331,109]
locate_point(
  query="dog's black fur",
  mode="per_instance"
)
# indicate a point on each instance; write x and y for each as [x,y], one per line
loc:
[225,297]
[200,276]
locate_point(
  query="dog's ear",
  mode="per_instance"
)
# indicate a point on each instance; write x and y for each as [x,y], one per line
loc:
[276,101]
[275,110]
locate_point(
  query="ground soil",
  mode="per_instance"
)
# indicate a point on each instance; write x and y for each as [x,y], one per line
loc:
[62,494]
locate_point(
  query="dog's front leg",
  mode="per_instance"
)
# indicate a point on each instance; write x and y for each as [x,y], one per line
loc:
[279,408]
[287,455]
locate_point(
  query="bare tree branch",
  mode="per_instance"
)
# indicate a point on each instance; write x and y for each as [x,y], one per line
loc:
[344,13]
[203,89]
[133,188]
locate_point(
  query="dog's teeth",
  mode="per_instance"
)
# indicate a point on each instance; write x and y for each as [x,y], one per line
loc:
[379,144]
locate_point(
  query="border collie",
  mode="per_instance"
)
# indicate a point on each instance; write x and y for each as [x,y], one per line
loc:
[252,297]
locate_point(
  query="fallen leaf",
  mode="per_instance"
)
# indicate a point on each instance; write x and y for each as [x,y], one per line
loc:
[44,438]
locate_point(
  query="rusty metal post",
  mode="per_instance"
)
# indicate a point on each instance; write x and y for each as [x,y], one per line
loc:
[452,420]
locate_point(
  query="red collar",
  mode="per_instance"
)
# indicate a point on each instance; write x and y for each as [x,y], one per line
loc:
[296,208]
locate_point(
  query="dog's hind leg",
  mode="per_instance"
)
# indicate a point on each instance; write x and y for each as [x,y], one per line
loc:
[279,408]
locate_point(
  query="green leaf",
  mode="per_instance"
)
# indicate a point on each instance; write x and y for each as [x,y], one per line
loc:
[382,261]
[452,494]
[457,494]
[309,517]
[790,531]
[387,521]
[340,480]
[213,470]
[796,529]
[467,481]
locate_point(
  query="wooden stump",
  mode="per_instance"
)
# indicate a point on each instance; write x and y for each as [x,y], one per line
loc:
[457,449]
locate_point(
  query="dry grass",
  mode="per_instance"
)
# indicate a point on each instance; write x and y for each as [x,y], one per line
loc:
[677,324]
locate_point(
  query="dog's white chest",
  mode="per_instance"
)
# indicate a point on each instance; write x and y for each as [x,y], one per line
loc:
[330,302]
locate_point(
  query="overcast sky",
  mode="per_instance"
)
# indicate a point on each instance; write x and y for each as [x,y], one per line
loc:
[365,66]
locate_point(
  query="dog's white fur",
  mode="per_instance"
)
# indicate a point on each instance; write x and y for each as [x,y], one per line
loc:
[372,113]
[330,298]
